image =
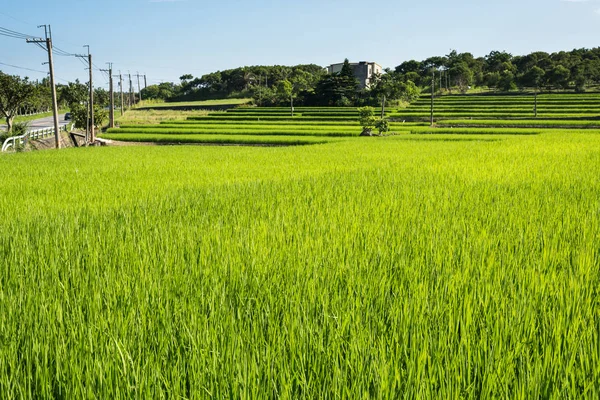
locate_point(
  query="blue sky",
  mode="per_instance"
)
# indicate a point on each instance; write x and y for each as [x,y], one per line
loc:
[167,38]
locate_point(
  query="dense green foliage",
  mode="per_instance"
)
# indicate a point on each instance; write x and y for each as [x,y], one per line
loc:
[306,85]
[577,70]
[244,81]
[398,267]
[16,94]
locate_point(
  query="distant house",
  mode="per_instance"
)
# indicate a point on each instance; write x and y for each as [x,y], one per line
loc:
[363,71]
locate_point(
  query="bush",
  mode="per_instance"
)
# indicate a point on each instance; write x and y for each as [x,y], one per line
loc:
[382,125]
[79,114]
[367,119]
[19,128]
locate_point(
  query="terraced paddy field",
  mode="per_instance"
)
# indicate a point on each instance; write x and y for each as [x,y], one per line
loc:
[417,266]
[489,106]
[458,114]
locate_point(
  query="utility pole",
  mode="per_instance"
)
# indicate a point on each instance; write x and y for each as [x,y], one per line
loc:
[121,88]
[111,93]
[131,96]
[48,42]
[92,137]
[138,82]
[145,82]
[432,90]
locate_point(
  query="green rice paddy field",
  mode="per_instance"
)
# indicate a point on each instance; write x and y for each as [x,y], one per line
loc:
[436,265]
[410,266]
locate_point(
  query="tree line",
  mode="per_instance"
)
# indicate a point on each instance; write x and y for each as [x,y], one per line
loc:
[499,71]
[576,70]
[308,85]
[21,96]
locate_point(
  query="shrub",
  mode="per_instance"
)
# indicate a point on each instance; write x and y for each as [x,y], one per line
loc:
[367,117]
[382,125]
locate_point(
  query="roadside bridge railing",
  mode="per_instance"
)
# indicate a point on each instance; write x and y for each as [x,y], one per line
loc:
[15,141]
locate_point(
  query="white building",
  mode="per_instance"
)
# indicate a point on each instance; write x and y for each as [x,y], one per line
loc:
[363,71]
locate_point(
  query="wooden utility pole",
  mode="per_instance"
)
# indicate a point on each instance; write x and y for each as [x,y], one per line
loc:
[48,42]
[432,91]
[145,82]
[131,96]
[121,88]
[138,82]
[111,94]
[92,133]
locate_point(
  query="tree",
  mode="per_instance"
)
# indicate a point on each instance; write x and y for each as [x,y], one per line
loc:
[391,86]
[367,120]
[73,93]
[497,61]
[338,89]
[80,116]
[559,77]
[507,81]
[462,75]
[15,92]
[101,97]
[162,91]
[533,77]
[347,69]
[285,90]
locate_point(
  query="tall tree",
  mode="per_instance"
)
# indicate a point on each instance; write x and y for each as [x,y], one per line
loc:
[391,86]
[347,70]
[15,92]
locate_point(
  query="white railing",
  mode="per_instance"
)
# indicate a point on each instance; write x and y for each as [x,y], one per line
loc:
[31,135]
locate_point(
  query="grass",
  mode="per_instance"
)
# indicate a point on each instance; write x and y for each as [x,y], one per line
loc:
[225,131]
[219,102]
[241,138]
[401,267]
[523,123]
[153,116]
[566,106]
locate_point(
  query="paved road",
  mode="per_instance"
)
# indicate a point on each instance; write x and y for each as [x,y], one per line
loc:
[43,123]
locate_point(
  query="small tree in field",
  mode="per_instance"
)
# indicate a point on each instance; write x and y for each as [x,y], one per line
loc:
[367,120]
[382,125]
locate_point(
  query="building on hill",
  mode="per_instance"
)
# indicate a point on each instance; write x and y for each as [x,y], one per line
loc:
[363,71]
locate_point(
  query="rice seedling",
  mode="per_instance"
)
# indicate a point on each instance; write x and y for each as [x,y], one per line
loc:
[414,266]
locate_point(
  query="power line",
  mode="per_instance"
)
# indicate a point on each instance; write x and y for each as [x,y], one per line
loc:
[14,34]
[16,19]
[31,70]
[24,68]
